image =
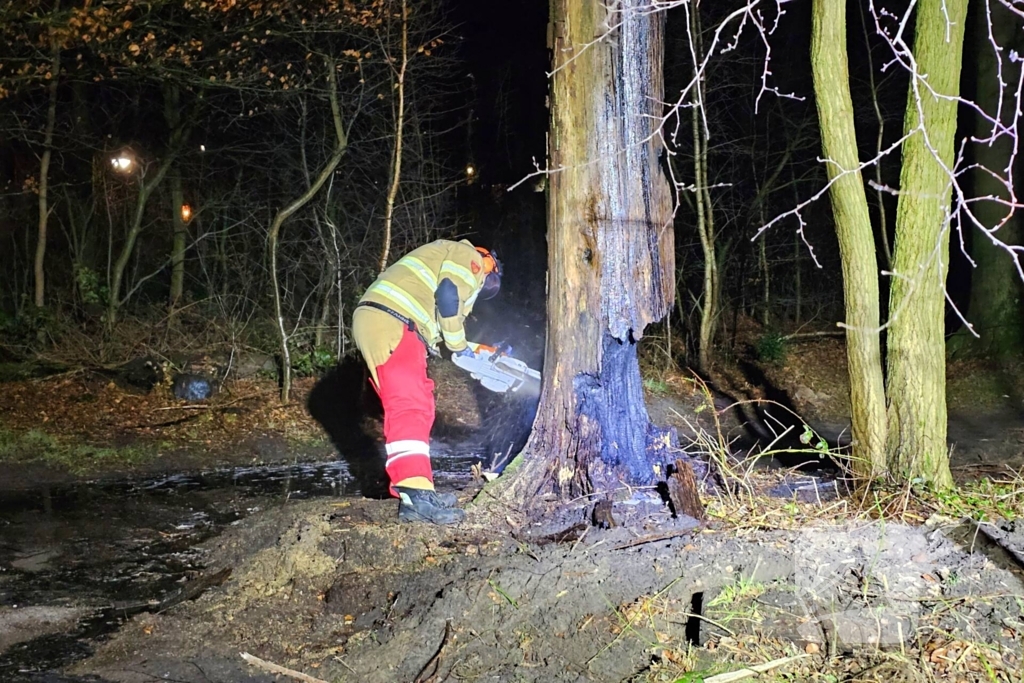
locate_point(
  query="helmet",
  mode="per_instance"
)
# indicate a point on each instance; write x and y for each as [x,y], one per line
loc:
[492,269]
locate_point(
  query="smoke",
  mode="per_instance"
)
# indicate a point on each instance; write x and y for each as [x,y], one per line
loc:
[508,419]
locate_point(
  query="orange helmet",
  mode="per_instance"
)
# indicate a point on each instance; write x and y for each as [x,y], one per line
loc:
[492,269]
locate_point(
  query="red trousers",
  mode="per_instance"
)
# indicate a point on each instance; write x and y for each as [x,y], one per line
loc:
[408,398]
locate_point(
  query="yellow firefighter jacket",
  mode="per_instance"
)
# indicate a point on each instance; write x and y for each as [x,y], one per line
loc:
[435,286]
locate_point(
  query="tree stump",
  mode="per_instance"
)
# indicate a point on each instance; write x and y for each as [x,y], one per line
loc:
[682,491]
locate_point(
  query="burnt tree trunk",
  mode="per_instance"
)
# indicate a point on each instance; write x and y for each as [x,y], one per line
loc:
[610,253]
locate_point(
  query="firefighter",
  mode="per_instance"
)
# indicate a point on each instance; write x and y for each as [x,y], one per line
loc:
[419,301]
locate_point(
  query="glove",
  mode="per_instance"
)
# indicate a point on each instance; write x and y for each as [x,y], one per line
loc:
[464,353]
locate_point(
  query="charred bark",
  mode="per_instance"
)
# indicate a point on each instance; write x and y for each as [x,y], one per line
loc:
[610,253]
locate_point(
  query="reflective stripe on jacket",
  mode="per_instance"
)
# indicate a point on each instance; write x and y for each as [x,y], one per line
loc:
[435,286]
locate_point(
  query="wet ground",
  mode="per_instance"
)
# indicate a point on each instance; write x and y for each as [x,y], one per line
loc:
[76,561]
[342,592]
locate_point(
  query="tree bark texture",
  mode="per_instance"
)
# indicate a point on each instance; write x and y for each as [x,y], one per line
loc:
[995,306]
[853,229]
[916,361]
[610,250]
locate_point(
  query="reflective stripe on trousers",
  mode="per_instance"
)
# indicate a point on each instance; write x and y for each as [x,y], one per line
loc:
[407,395]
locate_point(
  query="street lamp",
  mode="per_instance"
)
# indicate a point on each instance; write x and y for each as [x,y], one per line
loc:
[122,162]
[186,213]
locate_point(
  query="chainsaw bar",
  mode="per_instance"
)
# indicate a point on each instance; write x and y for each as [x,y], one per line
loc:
[499,372]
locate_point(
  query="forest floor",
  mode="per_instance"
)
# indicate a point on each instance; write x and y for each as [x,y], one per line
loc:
[785,572]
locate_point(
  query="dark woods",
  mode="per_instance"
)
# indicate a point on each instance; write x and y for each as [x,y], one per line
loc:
[147,150]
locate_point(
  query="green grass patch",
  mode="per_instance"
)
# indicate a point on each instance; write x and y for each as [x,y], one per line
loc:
[772,347]
[655,385]
[35,446]
[984,499]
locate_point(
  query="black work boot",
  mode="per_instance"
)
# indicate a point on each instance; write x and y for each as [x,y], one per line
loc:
[418,505]
[446,500]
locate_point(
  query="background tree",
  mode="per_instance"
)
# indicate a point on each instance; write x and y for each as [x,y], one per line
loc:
[915,354]
[283,214]
[856,239]
[702,195]
[995,309]
[238,110]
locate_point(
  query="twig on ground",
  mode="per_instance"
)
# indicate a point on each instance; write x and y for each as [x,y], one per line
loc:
[209,406]
[278,669]
[59,375]
[435,662]
[741,674]
[652,539]
[718,624]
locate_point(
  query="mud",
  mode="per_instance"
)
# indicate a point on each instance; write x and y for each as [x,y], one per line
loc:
[341,592]
[19,625]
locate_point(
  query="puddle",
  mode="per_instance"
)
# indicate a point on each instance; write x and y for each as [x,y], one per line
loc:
[97,551]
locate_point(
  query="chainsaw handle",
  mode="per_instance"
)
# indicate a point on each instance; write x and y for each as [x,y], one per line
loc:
[484,348]
[500,349]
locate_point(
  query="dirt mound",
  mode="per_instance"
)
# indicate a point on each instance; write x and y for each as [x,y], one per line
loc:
[343,593]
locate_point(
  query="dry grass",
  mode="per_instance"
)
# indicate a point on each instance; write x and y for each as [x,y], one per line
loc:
[735,623]
[742,507]
[741,503]
[930,656]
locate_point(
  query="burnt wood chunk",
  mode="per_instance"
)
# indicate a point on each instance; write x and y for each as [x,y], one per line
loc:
[682,491]
[603,515]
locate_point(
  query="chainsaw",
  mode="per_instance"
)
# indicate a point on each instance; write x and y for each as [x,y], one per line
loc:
[497,370]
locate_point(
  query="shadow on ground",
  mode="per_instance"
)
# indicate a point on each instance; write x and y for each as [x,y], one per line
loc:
[345,406]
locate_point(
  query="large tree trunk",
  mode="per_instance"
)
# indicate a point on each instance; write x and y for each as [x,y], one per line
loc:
[610,253]
[916,358]
[995,307]
[853,229]
[178,133]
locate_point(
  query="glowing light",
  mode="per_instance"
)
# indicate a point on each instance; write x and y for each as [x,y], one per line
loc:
[202,148]
[122,163]
[186,213]
[470,170]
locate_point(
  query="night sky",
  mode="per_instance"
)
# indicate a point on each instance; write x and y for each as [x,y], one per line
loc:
[503,45]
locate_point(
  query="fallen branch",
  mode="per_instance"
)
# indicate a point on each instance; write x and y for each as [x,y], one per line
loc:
[278,669]
[59,375]
[812,335]
[190,591]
